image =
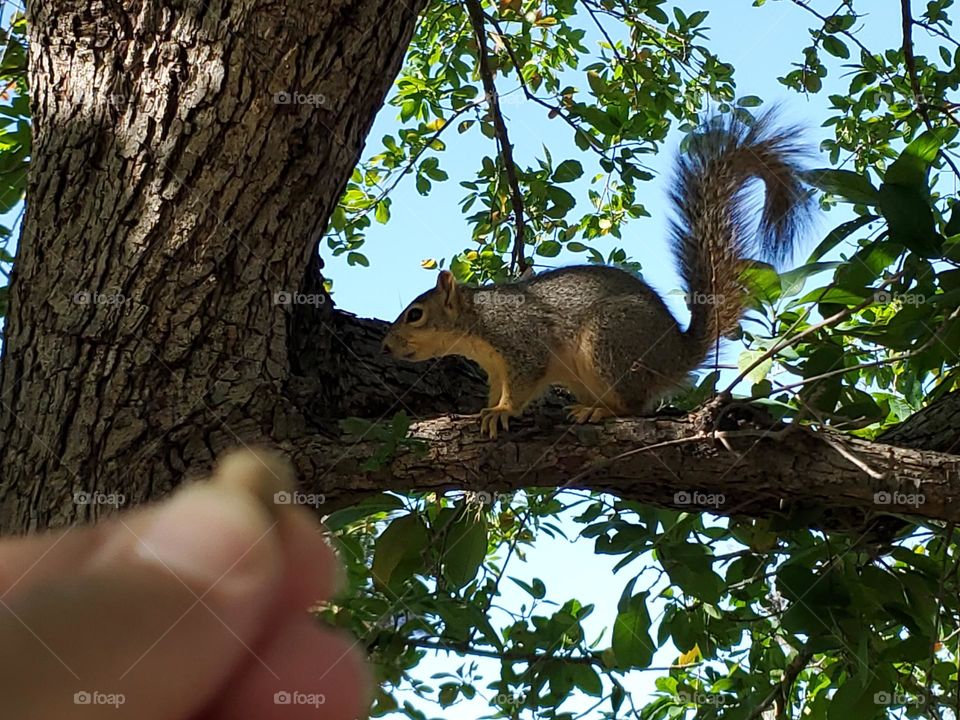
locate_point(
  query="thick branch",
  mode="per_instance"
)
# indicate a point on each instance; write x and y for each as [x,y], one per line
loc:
[766,472]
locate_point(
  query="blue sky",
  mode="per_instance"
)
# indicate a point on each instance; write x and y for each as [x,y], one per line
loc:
[761,43]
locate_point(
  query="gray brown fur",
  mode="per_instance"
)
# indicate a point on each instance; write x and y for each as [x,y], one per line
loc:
[604,333]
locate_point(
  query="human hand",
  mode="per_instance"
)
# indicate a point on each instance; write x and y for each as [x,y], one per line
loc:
[191,609]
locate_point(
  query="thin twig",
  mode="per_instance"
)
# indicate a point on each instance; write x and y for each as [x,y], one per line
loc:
[910,61]
[557,110]
[945,110]
[413,161]
[782,691]
[936,31]
[518,262]
[787,342]
[531,658]
[876,363]
[613,47]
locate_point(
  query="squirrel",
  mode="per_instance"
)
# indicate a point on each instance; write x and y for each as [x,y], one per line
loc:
[603,333]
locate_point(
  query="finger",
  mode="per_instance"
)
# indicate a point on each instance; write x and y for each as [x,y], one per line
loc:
[182,599]
[315,674]
[311,569]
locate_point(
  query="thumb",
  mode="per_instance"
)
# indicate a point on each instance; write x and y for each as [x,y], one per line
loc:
[171,598]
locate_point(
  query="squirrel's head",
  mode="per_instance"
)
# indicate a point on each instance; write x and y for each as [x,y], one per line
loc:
[429,326]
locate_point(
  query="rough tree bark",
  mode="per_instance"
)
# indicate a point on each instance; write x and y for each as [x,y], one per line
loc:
[186,160]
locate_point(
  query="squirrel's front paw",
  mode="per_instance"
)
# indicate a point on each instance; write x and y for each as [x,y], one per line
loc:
[492,417]
[588,413]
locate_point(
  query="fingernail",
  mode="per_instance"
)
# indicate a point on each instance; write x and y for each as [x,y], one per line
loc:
[212,536]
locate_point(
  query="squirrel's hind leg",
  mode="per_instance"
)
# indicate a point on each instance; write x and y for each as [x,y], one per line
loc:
[589,413]
[634,369]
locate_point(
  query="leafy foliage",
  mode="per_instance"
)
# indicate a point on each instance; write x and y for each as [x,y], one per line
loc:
[759,615]
[619,107]
[14,134]
[750,615]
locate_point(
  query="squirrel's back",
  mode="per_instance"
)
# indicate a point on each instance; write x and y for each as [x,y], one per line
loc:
[603,333]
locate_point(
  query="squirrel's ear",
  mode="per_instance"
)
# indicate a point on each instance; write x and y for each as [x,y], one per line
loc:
[447,285]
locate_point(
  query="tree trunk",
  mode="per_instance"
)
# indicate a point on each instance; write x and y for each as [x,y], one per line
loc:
[186,161]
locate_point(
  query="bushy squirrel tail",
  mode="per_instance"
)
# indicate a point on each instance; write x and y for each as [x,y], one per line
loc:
[715,230]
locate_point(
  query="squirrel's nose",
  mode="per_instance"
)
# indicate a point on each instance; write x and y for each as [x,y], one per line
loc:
[384,348]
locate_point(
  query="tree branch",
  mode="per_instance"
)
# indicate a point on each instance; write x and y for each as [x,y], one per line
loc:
[781,693]
[465,648]
[910,61]
[413,160]
[766,472]
[518,263]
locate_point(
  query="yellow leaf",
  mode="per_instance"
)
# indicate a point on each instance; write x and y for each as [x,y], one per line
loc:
[690,657]
[428,264]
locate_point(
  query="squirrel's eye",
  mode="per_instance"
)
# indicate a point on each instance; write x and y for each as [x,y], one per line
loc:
[414,315]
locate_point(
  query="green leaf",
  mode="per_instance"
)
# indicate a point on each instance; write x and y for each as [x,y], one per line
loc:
[465,549]
[568,171]
[762,282]
[398,552]
[835,46]
[911,168]
[632,644]
[370,506]
[549,248]
[953,224]
[910,218]
[793,281]
[536,590]
[657,15]
[586,678]
[689,565]
[846,184]
[448,694]
[747,358]
[839,234]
